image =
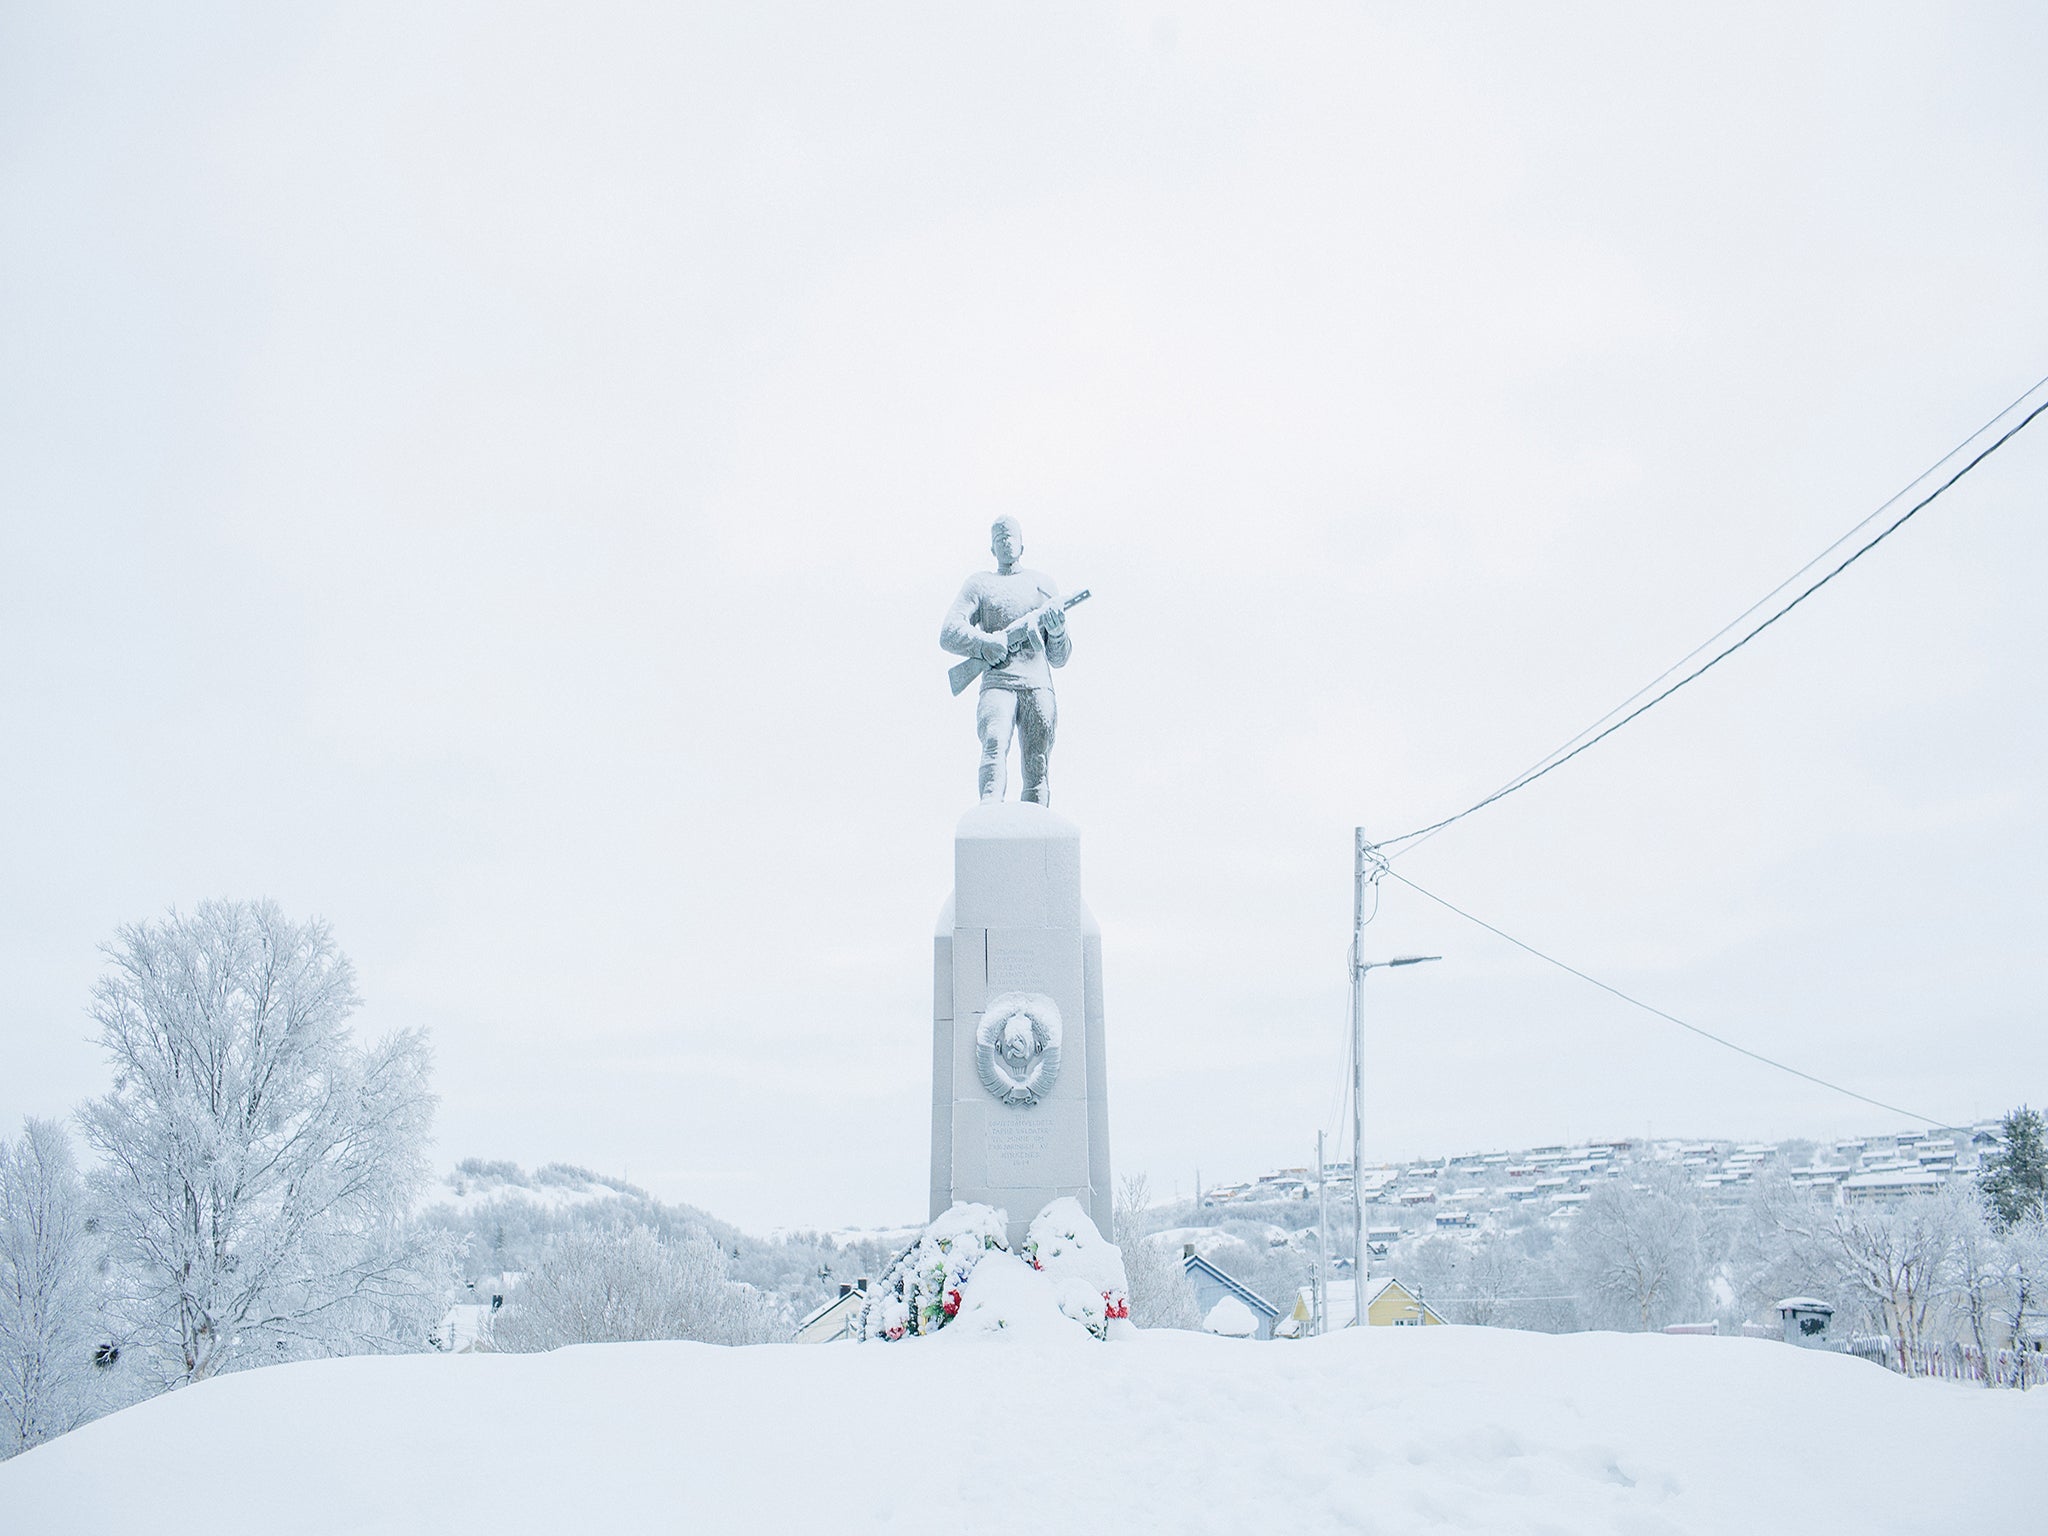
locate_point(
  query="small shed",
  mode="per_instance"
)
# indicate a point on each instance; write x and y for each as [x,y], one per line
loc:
[1805,1320]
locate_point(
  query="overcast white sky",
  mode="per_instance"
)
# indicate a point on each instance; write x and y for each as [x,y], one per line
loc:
[491,475]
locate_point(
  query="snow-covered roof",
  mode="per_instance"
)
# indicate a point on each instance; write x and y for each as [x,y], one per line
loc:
[826,1308]
[1230,1283]
[1803,1304]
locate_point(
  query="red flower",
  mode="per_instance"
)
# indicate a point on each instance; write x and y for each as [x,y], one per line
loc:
[952,1302]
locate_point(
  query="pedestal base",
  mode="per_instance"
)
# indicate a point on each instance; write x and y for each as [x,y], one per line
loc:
[1016,925]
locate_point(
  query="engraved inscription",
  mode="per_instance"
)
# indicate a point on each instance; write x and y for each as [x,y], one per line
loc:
[1013,968]
[1033,960]
[1019,1147]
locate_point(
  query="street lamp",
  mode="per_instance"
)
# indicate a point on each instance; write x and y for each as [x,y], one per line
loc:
[1359,966]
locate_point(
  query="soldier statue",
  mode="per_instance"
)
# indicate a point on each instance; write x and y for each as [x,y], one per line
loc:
[1011,626]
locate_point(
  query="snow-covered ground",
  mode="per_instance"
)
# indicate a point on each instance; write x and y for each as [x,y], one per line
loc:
[1390,1430]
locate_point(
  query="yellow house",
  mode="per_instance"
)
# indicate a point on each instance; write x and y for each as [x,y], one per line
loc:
[1390,1304]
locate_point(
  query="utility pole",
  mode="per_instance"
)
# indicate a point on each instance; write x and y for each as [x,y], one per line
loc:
[1322,1317]
[1359,966]
[1358,1077]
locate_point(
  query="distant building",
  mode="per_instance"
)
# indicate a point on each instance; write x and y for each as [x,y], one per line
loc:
[466,1326]
[1390,1304]
[1300,1321]
[1887,1185]
[837,1319]
[1227,1305]
[463,1329]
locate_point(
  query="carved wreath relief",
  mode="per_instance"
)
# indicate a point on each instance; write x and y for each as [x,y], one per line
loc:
[1017,1046]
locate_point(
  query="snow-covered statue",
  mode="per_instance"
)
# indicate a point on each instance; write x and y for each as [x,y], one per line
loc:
[1017,1046]
[1011,626]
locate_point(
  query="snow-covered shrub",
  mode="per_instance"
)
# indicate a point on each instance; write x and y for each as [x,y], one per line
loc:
[501,1216]
[1086,1269]
[612,1286]
[923,1290]
[1162,1296]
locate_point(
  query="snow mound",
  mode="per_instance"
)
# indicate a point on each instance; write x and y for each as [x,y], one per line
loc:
[1006,1296]
[1387,1430]
[1086,1268]
[1231,1318]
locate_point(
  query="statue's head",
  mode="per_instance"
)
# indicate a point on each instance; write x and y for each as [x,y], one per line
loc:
[1006,540]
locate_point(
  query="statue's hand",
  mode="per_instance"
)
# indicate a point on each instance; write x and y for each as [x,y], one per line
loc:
[993,650]
[1055,623]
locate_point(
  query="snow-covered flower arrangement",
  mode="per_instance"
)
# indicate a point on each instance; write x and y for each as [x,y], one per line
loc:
[1086,1269]
[923,1289]
[961,1275]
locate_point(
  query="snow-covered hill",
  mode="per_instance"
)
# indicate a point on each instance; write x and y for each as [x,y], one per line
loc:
[1396,1430]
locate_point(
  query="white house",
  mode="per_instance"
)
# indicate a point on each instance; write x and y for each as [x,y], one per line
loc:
[1881,1185]
[836,1319]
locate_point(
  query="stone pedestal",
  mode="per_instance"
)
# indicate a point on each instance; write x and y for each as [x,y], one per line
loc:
[1018,1130]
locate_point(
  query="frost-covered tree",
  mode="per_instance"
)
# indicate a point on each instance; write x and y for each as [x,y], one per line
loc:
[615,1285]
[46,1296]
[2022,1296]
[1161,1294]
[1776,1248]
[1899,1264]
[1977,1269]
[1433,1268]
[1492,1283]
[2015,1177]
[1901,1271]
[258,1166]
[1636,1252]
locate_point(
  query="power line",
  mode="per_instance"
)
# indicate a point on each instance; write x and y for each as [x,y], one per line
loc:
[1843,538]
[1671,1018]
[1554,761]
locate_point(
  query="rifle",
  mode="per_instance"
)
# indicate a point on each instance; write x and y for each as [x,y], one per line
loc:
[967,671]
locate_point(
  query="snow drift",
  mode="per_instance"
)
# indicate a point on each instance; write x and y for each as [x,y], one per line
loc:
[1386,1430]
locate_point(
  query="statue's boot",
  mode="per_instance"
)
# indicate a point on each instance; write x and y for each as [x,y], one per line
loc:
[1038,781]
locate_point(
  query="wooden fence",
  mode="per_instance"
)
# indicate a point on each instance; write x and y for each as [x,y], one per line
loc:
[1955,1362]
